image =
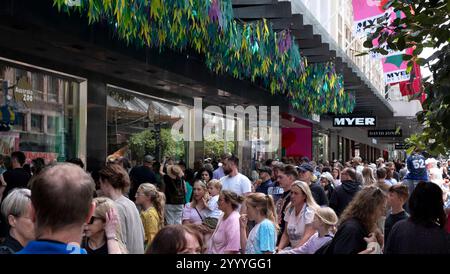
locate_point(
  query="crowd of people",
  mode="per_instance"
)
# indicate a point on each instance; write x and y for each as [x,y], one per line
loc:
[293,206]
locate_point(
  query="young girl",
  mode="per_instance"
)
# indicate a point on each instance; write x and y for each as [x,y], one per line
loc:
[152,215]
[324,222]
[263,237]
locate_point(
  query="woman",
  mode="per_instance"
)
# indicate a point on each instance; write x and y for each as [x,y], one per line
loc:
[298,217]
[177,239]
[196,211]
[226,237]
[327,183]
[16,209]
[152,214]
[359,220]
[368,178]
[113,181]
[324,222]
[263,236]
[204,175]
[424,231]
[103,230]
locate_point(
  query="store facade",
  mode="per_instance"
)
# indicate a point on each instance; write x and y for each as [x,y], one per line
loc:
[46,112]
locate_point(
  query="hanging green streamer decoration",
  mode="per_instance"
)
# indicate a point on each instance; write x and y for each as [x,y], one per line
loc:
[251,51]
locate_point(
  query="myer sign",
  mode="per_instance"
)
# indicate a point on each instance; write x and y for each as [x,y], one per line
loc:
[341,121]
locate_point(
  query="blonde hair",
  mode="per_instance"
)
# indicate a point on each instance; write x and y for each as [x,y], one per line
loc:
[307,191]
[216,184]
[102,206]
[328,217]
[205,188]
[157,198]
[265,205]
[368,178]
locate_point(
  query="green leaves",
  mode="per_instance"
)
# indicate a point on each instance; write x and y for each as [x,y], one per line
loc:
[252,51]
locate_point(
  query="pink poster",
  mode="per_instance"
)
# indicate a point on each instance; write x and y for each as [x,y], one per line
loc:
[394,68]
[366,12]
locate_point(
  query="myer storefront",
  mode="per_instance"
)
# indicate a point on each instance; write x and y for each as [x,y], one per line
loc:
[43,112]
[342,138]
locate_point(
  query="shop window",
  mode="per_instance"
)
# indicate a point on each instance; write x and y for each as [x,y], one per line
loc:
[21,73]
[62,140]
[145,125]
[51,124]
[37,122]
[52,89]
[37,84]
[20,124]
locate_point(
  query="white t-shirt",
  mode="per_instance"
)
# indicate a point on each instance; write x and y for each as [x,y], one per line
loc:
[213,205]
[238,184]
[296,223]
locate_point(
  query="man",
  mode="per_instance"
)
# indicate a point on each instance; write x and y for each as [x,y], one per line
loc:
[17,177]
[276,191]
[287,175]
[416,171]
[344,193]
[306,174]
[395,174]
[142,174]
[356,163]
[219,173]
[265,180]
[61,203]
[235,181]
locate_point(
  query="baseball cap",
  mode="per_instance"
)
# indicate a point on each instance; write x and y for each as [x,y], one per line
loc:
[149,158]
[265,169]
[305,167]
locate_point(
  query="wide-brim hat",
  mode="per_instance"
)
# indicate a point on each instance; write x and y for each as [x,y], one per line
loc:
[174,171]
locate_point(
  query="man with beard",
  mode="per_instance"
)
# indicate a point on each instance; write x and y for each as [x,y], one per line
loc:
[235,181]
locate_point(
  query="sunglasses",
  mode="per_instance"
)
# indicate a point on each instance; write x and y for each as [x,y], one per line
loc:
[91,221]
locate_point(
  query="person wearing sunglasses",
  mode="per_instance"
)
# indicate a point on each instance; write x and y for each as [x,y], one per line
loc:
[103,229]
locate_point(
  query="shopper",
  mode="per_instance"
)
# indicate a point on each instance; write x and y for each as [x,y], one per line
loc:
[113,181]
[263,236]
[226,238]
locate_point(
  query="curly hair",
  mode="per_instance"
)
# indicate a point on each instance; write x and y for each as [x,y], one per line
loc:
[364,207]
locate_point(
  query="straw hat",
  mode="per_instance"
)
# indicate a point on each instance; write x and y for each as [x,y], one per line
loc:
[327,215]
[174,171]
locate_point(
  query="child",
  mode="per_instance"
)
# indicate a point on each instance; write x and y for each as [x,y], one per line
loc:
[397,197]
[263,236]
[214,188]
[152,215]
[324,222]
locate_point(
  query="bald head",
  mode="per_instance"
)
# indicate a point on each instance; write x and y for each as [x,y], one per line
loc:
[61,196]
